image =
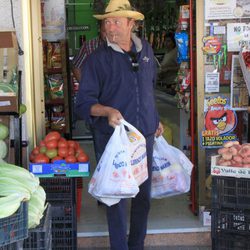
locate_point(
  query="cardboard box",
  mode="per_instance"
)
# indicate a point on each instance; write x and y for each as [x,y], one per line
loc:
[237,172]
[60,168]
[8,55]
[9,104]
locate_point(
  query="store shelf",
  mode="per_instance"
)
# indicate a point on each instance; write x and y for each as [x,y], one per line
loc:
[56,93]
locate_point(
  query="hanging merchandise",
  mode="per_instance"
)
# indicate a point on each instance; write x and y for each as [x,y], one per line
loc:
[183,87]
[184,17]
[182,45]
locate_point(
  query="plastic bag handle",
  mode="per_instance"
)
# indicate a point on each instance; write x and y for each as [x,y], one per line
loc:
[131,127]
[161,138]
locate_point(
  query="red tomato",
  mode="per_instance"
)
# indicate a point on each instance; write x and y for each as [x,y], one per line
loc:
[53,135]
[36,150]
[70,159]
[42,143]
[63,152]
[62,143]
[57,158]
[77,145]
[82,157]
[71,151]
[79,151]
[41,158]
[32,157]
[51,144]
[72,144]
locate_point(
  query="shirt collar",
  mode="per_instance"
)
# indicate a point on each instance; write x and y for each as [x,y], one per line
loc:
[135,39]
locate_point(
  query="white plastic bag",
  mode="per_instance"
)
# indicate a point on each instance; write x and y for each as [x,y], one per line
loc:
[138,153]
[171,170]
[113,178]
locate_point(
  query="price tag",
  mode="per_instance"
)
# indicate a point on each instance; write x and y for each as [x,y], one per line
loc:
[37,169]
[83,168]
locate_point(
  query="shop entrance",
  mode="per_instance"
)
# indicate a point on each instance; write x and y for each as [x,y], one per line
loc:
[173,213]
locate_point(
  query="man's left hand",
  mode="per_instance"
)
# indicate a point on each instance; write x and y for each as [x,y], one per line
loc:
[159,130]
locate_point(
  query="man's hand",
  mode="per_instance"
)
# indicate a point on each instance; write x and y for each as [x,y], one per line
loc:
[159,130]
[114,117]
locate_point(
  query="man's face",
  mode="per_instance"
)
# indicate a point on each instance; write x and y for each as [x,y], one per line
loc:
[118,29]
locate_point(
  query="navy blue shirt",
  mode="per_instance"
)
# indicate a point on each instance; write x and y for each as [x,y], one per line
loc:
[109,79]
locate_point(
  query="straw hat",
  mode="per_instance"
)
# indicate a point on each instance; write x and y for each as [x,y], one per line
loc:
[120,8]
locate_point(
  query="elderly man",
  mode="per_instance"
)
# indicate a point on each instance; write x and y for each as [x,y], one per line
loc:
[117,83]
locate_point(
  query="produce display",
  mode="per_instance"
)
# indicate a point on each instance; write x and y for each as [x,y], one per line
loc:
[4,133]
[234,154]
[54,147]
[18,184]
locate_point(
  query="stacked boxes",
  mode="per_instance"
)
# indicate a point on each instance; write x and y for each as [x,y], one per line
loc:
[230,213]
[14,229]
[8,71]
[61,194]
[40,238]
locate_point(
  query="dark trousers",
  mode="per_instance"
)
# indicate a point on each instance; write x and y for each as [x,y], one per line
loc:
[140,205]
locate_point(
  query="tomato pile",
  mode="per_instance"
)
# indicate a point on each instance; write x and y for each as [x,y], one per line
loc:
[54,147]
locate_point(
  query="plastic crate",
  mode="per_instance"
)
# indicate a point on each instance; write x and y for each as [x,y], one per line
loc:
[230,192]
[63,216]
[40,238]
[64,239]
[18,245]
[64,226]
[79,203]
[60,189]
[15,227]
[224,241]
[230,221]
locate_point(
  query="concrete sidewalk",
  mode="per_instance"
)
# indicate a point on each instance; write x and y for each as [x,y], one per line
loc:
[162,248]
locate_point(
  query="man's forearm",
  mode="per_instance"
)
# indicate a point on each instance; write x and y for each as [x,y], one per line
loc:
[100,110]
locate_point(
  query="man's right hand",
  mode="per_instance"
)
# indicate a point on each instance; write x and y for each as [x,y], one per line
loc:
[114,116]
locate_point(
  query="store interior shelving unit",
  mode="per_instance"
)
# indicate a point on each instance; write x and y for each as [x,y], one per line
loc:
[56,86]
[13,116]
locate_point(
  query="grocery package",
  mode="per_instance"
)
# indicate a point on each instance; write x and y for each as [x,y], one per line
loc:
[171,173]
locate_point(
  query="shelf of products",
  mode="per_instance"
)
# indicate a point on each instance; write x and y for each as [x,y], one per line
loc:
[10,114]
[56,86]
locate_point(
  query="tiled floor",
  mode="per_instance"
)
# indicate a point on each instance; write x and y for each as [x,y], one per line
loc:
[168,215]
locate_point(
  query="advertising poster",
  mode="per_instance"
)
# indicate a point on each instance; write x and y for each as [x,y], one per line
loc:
[219,121]
[53,19]
[226,9]
[239,92]
[238,34]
